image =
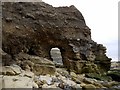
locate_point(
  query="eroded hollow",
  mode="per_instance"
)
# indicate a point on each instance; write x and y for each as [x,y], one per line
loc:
[56,56]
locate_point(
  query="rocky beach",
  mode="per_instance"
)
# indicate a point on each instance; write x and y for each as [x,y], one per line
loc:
[46,47]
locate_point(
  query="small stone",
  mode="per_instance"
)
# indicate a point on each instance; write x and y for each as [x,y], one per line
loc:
[78,39]
[17,69]
[69,82]
[76,80]
[67,87]
[8,19]
[77,87]
[45,86]
[7,71]
[89,87]
[81,77]
[30,16]
[47,79]
[87,81]
[98,85]
[29,74]
[17,27]
[73,74]
[82,84]
[63,72]
[35,85]
[61,85]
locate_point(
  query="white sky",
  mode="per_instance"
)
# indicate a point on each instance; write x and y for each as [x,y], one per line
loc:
[101,17]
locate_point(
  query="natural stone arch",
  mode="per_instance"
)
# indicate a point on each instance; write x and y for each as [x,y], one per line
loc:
[44,27]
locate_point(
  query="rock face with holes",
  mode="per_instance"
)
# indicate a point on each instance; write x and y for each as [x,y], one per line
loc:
[35,28]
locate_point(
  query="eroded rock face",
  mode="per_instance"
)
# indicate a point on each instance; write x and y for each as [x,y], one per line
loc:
[35,28]
[38,65]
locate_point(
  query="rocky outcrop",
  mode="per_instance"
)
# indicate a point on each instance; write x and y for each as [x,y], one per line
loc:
[15,77]
[36,28]
[38,65]
[61,80]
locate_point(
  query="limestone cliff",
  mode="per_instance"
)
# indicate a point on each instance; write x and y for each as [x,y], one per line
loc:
[36,28]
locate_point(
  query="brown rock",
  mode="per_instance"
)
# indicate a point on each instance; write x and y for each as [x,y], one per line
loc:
[89,87]
[36,64]
[44,69]
[46,27]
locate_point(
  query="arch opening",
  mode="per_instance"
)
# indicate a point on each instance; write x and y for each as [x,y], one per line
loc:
[56,56]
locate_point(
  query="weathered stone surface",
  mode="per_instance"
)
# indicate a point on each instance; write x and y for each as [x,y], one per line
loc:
[18,82]
[35,28]
[7,71]
[38,65]
[28,74]
[89,87]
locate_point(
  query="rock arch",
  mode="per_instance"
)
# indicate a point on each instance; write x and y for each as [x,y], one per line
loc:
[37,27]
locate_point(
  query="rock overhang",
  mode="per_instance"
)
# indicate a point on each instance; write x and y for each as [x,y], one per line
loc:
[35,28]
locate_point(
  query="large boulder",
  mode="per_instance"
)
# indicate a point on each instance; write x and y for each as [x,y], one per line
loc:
[11,70]
[38,65]
[18,82]
[36,28]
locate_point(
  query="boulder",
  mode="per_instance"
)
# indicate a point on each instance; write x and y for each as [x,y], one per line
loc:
[8,71]
[36,64]
[28,74]
[18,82]
[77,87]
[17,69]
[89,87]
[47,79]
[11,70]
[73,75]
[81,77]
[63,72]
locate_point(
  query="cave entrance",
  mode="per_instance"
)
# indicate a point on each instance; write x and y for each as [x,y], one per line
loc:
[56,56]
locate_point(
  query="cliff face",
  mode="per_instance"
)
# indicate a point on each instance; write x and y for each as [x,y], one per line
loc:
[36,28]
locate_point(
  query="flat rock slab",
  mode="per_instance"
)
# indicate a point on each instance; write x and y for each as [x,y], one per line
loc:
[17,82]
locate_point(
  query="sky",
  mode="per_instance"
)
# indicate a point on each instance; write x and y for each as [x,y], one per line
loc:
[101,17]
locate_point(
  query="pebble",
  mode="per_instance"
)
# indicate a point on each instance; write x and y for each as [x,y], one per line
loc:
[48,79]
